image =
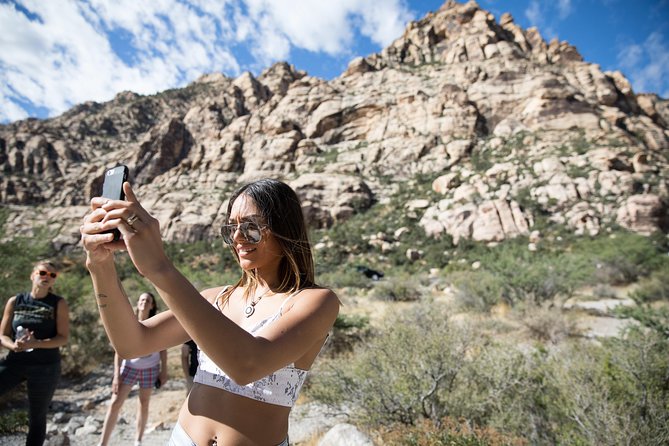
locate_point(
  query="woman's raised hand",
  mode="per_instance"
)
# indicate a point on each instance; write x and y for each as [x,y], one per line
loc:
[140,232]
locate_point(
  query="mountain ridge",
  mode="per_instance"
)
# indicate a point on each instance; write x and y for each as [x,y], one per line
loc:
[510,128]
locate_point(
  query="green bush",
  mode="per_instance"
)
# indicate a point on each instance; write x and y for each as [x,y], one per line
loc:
[347,332]
[396,288]
[477,290]
[614,394]
[546,323]
[13,421]
[622,257]
[402,373]
[420,367]
[656,319]
[522,275]
[446,432]
[653,288]
[344,278]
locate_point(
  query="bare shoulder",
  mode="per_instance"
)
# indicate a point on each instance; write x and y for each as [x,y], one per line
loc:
[318,299]
[10,303]
[212,293]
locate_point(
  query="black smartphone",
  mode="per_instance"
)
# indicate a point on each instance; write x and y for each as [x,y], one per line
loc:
[157,383]
[112,188]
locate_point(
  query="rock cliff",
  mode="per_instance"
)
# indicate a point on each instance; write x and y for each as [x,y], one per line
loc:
[509,126]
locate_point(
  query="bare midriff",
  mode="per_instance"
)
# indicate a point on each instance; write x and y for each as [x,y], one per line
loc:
[211,414]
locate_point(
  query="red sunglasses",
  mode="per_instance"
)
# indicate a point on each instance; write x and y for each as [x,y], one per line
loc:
[44,273]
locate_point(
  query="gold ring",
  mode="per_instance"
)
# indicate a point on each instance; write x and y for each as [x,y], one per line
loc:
[131,220]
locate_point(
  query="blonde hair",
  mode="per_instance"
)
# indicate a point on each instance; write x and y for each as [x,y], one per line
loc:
[48,264]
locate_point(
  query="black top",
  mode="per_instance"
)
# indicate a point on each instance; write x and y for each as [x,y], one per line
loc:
[38,316]
[192,359]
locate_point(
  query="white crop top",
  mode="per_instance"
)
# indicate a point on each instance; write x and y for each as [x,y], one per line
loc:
[281,387]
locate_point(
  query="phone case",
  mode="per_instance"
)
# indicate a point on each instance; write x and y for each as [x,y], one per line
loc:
[112,188]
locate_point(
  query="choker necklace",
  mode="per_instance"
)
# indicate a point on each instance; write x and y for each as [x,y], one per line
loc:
[251,306]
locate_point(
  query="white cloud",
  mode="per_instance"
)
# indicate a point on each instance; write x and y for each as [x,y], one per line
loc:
[630,56]
[654,76]
[69,55]
[327,27]
[66,56]
[383,21]
[533,14]
[647,65]
[564,8]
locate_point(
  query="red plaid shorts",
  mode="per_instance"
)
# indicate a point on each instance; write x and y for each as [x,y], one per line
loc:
[146,377]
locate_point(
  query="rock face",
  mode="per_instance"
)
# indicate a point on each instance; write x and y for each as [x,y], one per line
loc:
[510,127]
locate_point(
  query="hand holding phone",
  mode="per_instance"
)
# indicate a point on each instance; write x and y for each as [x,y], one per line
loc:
[112,188]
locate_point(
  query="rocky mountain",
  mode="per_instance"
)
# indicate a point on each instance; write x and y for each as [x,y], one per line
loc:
[508,126]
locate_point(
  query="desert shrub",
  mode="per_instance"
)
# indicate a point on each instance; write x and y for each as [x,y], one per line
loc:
[653,288]
[546,323]
[347,332]
[603,291]
[446,432]
[622,257]
[613,394]
[477,290]
[396,288]
[403,373]
[420,367]
[654,318]
[506,389]
[540,279]
[524,275]
[344,277]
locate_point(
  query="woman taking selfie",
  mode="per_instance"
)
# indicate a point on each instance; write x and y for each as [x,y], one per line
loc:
[257,338]
[35,324]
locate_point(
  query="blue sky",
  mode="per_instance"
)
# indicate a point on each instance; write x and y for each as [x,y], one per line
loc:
[55,54]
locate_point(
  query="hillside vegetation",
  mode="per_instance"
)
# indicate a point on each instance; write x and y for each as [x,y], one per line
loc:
[414,367]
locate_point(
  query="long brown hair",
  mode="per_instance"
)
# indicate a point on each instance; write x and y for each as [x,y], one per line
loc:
[280,207]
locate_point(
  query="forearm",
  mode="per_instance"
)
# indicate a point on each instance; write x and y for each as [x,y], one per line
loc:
[7,342]
[54,342]
[117,364]
[116,312]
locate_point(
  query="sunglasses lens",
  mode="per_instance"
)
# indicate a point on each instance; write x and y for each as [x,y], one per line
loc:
[251,232]
[44,273]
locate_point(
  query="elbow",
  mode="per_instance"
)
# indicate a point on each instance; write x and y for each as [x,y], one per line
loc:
[125,351]
[244,372]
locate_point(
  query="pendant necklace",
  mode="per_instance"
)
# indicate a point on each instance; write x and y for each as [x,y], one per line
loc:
[251,306]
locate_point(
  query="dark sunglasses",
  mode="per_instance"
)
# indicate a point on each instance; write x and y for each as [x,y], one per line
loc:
[251,231]
[44,273]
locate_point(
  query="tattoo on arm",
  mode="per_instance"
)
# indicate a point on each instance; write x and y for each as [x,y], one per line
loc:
[100,297]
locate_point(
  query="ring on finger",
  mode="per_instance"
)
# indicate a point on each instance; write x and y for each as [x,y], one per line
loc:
[131,220]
